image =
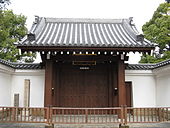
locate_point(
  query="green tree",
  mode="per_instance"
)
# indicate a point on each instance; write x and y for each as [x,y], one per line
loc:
[157,30]
[12,29]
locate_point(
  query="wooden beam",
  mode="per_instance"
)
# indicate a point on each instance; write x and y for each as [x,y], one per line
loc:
[48,83]
[70,58]
[121,83]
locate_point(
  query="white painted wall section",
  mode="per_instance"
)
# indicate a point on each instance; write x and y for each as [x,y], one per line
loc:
[5,89]
[36,78]
[143,87]
[5,85]
[163,86]
[151,88]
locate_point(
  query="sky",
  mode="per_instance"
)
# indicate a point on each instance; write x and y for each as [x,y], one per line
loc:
[140,10]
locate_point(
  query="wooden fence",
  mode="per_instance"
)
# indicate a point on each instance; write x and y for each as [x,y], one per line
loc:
[55,115]
[147,115]
[86,115]
[23,115]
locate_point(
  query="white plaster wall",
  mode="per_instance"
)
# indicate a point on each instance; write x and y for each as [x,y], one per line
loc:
[36,86]
[5,89]
[150,88]
[143,87]
[163,86]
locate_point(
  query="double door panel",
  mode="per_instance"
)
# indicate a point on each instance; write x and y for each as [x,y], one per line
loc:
[83,87]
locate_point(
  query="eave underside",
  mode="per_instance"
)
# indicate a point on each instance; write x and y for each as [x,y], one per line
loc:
[95,49]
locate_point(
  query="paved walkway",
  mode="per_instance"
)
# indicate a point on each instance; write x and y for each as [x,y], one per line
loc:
[157,125]
[150,125]
[21,125]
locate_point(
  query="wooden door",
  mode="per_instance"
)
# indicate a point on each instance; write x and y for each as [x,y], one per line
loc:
[96,86]
[128,94]
[69,87]
[83,88]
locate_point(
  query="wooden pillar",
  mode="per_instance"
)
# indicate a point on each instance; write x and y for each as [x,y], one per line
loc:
[110,84]
[115,86]
[121,83]
[48,83]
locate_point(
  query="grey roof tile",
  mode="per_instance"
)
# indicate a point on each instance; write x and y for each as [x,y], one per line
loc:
[147,66]
[140,66]
[21,65]
[84,33]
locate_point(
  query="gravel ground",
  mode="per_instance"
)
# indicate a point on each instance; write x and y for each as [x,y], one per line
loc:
[143,125]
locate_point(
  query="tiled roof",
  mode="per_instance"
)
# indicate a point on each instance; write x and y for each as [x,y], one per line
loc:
[28,66]
[147,66]
[58,32]
[163,63]
[140,66]
[128,66]
[21,65]
[4,62]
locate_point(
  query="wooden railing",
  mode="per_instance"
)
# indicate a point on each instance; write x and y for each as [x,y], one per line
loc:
[147,115]
[51,115]
[86,115]
[23,115]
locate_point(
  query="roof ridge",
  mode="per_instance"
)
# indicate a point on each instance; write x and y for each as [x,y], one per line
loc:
[144,64]
[162,63]
[7,63]
[148,66]
[17,65]
[84,20]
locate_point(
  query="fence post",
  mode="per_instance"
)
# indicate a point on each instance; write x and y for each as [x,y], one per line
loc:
[49,118]
[160,114]
[48,115]
[86,115]
[122,115]
[13,113]
[125,114]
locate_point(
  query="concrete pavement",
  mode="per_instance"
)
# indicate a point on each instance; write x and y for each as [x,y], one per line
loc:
[141,125]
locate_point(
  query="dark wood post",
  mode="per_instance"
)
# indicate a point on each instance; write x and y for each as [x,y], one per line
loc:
[86,116]
[121,83]
[48,83]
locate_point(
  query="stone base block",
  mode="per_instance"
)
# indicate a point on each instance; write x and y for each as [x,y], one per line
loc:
[49,126]
[123,126]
